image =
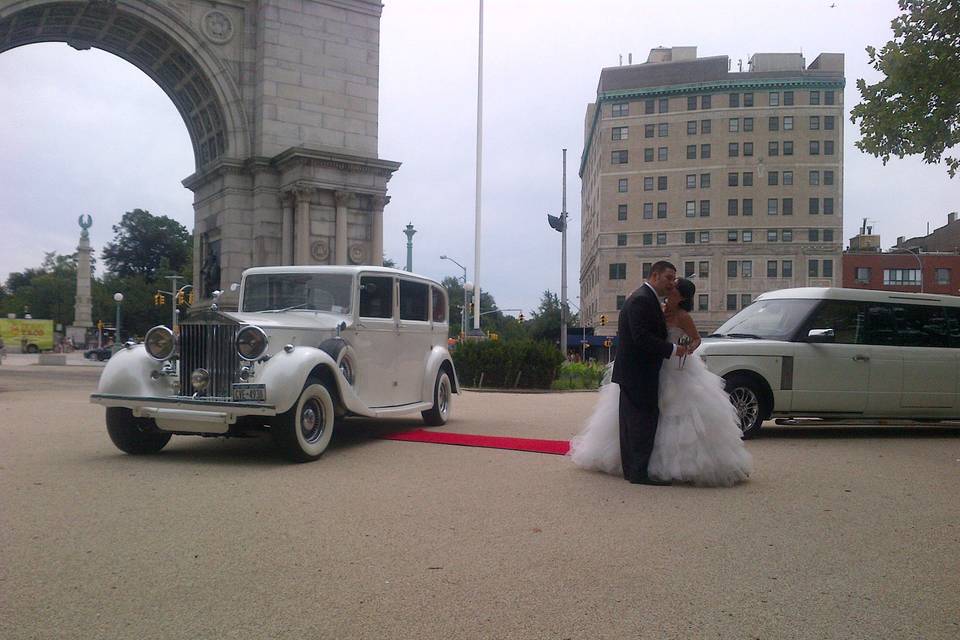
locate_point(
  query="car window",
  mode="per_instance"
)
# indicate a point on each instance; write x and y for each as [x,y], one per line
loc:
[847,319]
[953,327]
[413,300]
[881,324]
[376,297]
[921,326]
[770,319]
[439,305]
[297,291]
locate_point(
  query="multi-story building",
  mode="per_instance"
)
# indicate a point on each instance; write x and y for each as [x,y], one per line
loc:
[735,177]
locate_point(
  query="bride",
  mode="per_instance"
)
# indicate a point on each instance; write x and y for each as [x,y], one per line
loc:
[698,437]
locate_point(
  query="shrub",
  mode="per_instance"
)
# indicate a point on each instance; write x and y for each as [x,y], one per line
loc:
[500,362]
[578,375]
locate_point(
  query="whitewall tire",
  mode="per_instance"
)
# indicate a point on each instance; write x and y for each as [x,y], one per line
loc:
[304,431]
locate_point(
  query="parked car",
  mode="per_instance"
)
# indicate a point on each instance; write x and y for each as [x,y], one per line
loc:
[100,353]
[308,347]
[840,354]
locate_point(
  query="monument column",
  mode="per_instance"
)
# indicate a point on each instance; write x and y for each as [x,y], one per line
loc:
[286,230]
[83,309]
[342,198]
[302,235]
[376,229]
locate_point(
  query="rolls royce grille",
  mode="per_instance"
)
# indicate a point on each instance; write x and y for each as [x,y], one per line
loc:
[211,347]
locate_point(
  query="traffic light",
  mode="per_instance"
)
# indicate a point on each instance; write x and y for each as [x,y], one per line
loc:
[190,298]
[471,308]
[494,336]
[159,299]
[603,320]
[100,325]
[180,297]
[520,318]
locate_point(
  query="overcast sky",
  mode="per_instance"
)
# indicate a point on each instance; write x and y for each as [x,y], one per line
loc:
[86,132]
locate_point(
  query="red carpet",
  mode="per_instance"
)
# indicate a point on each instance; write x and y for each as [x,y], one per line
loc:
[556,447]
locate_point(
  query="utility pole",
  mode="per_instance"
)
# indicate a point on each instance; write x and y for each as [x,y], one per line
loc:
[476,236]
[563,263]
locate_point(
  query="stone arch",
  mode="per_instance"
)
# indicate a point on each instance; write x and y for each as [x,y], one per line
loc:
[152,37]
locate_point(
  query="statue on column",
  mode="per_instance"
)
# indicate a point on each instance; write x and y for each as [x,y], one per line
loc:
[83,306]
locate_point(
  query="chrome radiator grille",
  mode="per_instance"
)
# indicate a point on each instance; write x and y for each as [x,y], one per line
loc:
[211,347]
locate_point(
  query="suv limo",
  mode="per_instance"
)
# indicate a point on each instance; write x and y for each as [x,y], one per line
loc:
[308,346]
[840,354]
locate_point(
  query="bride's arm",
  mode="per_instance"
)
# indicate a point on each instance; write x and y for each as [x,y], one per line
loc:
[685,322]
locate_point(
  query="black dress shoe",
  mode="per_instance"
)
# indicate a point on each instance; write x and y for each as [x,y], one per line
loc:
[651,481]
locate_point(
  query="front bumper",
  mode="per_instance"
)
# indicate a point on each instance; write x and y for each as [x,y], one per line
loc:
[183,414]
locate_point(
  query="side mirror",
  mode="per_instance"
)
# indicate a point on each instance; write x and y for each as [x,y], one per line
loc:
[821,335]
[235,286]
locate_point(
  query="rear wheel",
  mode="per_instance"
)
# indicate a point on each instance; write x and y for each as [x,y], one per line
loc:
[749,401]
[303,432]
[438,415]
[136,436]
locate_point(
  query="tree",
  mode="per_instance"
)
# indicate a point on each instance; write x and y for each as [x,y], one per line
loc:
[493,320]
[915,109]
[47,291]
[149,246]
[545,323]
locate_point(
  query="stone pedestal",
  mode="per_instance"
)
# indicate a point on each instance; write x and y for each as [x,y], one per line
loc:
[83,309]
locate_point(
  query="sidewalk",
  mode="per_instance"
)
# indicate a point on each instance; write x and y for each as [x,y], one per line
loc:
[32,359]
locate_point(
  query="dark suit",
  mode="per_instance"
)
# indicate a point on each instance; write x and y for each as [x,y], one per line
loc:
[642,347]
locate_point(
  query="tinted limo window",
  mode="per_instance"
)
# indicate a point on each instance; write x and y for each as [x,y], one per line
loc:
[907,325]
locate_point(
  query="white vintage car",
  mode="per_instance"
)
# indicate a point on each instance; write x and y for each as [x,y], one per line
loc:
[840,354]
[308,346]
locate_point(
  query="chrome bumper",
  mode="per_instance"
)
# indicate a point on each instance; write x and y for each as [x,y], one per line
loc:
[192,415]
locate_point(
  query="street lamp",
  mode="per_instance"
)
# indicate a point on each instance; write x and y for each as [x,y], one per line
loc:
[919,263]
[463,320]
[118,298]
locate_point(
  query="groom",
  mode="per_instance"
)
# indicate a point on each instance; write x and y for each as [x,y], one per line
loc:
[642,348]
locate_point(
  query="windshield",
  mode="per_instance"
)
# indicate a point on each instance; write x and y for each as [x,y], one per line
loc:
[768,319]
[298,291]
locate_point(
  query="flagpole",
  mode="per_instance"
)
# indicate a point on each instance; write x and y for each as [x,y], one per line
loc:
[476,246]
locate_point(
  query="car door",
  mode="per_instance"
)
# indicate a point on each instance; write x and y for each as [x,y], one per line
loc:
[929,365]
[415,338]
[886,360]
[376,345]
[832,376]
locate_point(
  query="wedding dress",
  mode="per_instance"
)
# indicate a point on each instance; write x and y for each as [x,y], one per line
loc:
[698,437]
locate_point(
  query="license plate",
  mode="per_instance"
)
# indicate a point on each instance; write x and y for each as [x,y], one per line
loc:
[249,392]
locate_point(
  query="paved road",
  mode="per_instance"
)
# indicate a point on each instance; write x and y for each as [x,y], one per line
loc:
[841,533]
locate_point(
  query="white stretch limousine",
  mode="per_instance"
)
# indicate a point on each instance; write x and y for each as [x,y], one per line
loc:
[840,354]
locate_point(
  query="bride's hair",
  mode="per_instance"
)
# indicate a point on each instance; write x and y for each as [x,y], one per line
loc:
[686,289]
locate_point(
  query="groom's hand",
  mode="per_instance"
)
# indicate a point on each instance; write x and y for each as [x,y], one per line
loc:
[682,351]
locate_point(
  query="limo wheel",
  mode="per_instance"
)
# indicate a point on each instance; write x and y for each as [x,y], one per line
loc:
[748,400]
[304,431]
[437,415]
[136,436]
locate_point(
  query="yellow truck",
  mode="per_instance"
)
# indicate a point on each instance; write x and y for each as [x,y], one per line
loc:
[28,336]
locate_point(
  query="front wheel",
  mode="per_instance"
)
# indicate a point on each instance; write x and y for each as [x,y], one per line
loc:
[438,415]
[303,432]
[136,436]
[750,403]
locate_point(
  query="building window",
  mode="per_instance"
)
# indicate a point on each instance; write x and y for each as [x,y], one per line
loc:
[618,271]
[704,180]
[747,208]
[814,148]
[748,148]
[731,302]
[647,239]
[705,126]
[788,98]
[746,269]
[620,133]
[691,181]
[813,235]
[645,269]
[732,236]
[733,179]
[705,102]
[774,100]
[661,183]
[691,103]
[828,122]
[828,235]
[704,208]
[748,124]
[787,178]
[622,185]
[814,123]
[748,99]
[648,154]
[786,269]
[828,177]
[703,302]
[813,268]
[691,210]
[691,152]
[620,109]
[814,206]
[704,151]
[772,235]
[704,237]
[734,100]
[747,175]
[731,268]
[788,147]
[814,178]
[649,106]
[788,123]
[773,148]
[899,277]
[787,206]
[689,268]
[828,97]
[771,268]
[828,147]
[648,211]
[773,178]
[691,127]
[786,235]
[814,97]
[703,269]
[621,239]
[664,105]
[620,301]
[661,154]
[661,238]
[745,300]
[733,150]
[661,210]
[942,276]
[733,125]
[733,207]
[773,123]
[649,130]
[648,183]
[746,235]
[690,237]
[621,212]
[663,129]
[862,275]
[828,206]
[827,268]
[773,206]
[618,157]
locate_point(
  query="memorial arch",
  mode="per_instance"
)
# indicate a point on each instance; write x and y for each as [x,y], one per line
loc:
[280,100]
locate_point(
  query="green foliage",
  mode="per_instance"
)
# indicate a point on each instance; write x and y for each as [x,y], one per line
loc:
[545,323]
[46,292]
[915,109]
[501,361]
[150,246]
[493,321]
[579,375]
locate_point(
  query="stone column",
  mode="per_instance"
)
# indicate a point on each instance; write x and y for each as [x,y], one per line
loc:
[376,229]
[302,235]
[83,309]
[342,199]
[286,230]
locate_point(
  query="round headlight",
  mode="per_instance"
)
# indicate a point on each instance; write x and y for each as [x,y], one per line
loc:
[160,343]
[200,378]
[251,343]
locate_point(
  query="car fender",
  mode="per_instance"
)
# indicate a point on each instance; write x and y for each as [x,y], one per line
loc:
[285,373]
[769,368]
[436,358]
[129,372]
